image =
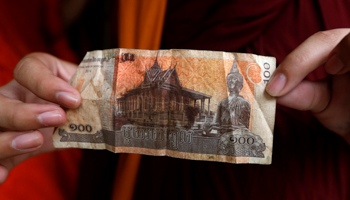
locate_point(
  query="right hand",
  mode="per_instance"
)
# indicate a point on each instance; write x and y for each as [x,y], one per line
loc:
[29,108]
[327,99]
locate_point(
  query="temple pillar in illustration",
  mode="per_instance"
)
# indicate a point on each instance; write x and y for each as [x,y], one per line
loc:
[143,104]
[202,106]
[208,106]
[182,103]
[174,108]
[151,101]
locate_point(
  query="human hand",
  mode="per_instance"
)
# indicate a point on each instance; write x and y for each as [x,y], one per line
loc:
[328,100]
[29,108]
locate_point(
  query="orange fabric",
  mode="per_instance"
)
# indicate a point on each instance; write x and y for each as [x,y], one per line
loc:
[140,23]
[140,26]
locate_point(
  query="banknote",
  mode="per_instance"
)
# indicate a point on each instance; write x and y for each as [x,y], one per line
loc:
[189,104]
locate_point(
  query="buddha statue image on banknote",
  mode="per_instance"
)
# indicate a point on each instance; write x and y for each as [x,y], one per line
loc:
[232,121]
[233,111]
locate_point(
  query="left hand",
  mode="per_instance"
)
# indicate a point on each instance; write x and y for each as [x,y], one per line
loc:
[30,108]
[328,100]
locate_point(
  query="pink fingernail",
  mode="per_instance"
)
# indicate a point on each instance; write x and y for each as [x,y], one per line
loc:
[50,118]
[26,141]
[67,99]
[276,84]
[334,65]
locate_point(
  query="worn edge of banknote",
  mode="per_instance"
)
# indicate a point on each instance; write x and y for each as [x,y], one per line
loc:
[173,102]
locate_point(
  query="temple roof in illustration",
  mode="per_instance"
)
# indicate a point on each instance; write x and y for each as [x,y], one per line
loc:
[167,79]
[156,75]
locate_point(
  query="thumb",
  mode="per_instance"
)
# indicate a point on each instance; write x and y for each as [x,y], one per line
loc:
[309,55]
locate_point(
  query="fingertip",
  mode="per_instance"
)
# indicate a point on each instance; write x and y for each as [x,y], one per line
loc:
[52,117]
[29,141]
[276,84]
[3,174]
[68,99]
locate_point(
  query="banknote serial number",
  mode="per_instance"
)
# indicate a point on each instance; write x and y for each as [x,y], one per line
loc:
[80,127]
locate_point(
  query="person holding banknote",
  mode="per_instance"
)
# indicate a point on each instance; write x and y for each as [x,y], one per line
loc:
[310,40]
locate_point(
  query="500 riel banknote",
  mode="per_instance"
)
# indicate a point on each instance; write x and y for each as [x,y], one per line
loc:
[198,105]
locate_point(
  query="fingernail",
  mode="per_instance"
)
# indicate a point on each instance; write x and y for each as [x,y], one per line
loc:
[276,84]
[50,118]
[67,99]
[334,65]
[26,141]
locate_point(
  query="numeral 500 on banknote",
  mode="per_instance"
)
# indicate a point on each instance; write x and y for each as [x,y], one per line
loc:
[199,105]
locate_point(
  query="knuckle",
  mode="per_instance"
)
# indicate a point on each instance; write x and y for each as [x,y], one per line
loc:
[25,63]
[19,68]
[299,58]
[330,37]
[39,86]
[22,66]
[14,119]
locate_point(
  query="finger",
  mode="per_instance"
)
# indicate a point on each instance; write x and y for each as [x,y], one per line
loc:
[17,143]
[336,117]
[67,71]
[3,174]
[308,95]
[16,115]
[312,53]
[339,61]
[24,147]
[46,77]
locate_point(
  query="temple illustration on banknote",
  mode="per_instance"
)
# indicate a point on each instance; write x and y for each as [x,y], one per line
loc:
[161,102]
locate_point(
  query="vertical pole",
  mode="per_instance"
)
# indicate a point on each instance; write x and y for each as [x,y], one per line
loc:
[137,105]
[202,106]
[151,100]
[132,106]
[135,102]
[182,103]
[158,104]
[143,104]
[208,106]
